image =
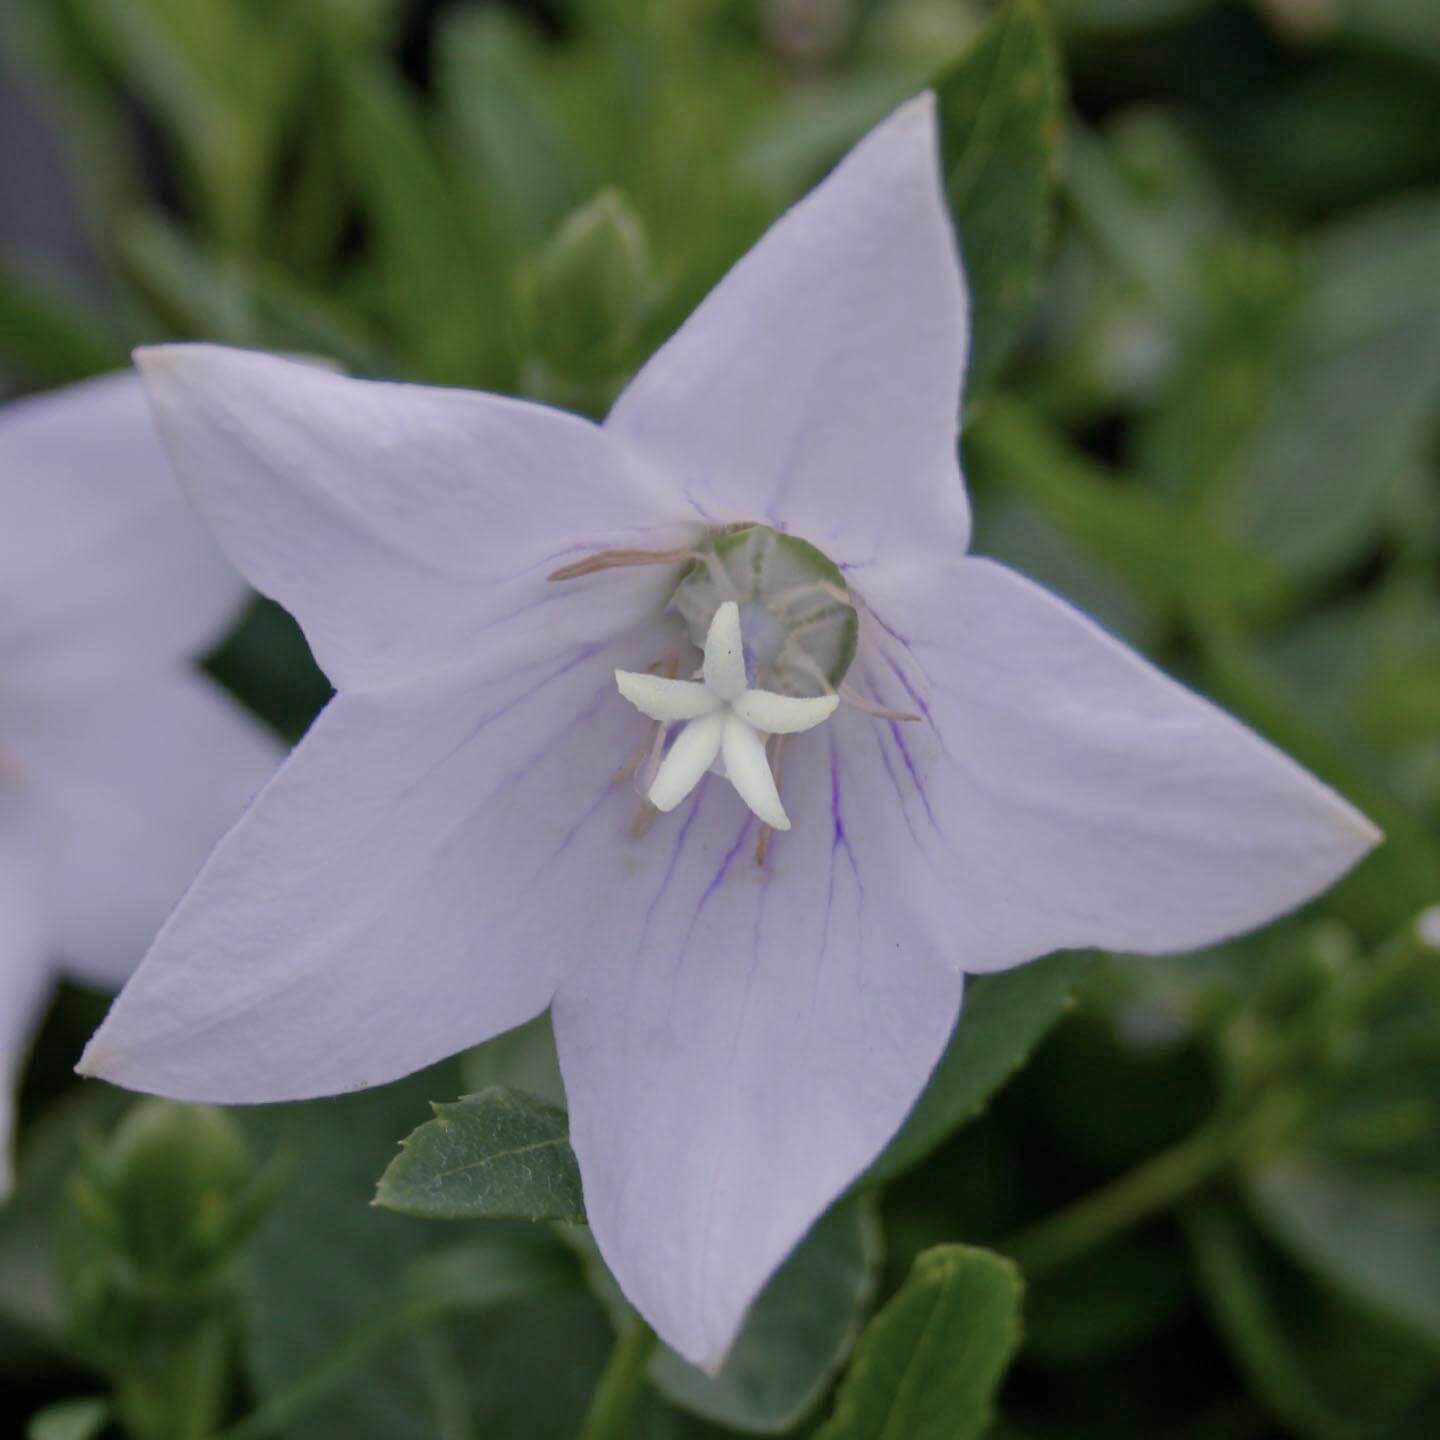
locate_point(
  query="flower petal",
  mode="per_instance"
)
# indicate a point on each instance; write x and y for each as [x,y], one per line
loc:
[143,782]
[740,1058]
[748,769]
[25,974]
[398,522]
[691,754]
[1067,794]
[817,389]
[784,714]
[418,876]
[104,567]
[664,699]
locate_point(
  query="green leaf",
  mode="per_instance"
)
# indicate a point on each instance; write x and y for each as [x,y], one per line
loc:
[1355,398]
[436,268]
[1003,1019]
[373,1326]
[929,1364]
[221,81]
[326,1256]
[1375,1239]
[195,294]
[797,1334]
[69,1420]
[473,1279]
[49,338]
[1172,559]
[500,1154]
[1000,118]
[522,168]
[1325,1370]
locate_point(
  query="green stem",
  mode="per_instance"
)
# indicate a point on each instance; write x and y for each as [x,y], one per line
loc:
[613,1407]
[1153,1187]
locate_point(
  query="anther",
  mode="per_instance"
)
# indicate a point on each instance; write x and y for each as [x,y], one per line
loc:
[619,560]
[849,696]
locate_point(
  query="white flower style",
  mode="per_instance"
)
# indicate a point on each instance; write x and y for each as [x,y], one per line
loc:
[743,1018]
[120,766]
[726,723]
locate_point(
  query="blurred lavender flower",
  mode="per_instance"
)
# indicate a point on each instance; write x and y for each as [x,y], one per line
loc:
[452,848]
[119,765]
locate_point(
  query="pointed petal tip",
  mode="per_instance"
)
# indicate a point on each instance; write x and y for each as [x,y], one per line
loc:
[158,360]
[93,1062]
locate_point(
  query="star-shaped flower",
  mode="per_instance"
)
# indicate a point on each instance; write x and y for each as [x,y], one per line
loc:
[120,766]
[725,721]
[454,845]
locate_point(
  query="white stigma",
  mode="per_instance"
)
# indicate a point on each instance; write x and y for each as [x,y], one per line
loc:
[726,723]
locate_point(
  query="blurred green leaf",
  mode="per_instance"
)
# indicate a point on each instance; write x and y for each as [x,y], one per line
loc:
[1355,400]
[196,295]
[221,76]
[523,173]
[796,1335]
[1003,1019]
[1323,1370]
[1105,1304]
[326,1256]
[1000,116]
[369,1325]
[1172,560]
[69,1420]
[478,1278]
[439,296]
[49,338]
[500,1154]
[1408,27]
[928,1365]
[1376,1239]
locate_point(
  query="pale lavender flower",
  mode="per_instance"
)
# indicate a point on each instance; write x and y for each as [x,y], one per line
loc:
[743,1019]
[119,765]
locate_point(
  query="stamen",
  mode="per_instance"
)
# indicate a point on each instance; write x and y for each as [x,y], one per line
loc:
[802,661]
[781,603]
[621,559]
[871,707]
[644,818]
[721,577]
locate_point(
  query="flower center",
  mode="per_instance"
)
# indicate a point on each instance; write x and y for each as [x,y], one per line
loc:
[796,612]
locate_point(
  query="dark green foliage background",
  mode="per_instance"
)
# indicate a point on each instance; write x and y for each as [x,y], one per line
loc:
[1204,237]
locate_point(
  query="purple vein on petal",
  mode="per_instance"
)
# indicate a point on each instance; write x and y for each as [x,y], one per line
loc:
[897,730]
[920,703]
[837,817]
[742,1020]
[719,877]
[500,711]
[676,850]
[889,765]
[889,629]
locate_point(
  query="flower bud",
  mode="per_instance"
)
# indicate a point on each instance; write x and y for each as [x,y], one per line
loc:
[153,1220]
[585,297]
